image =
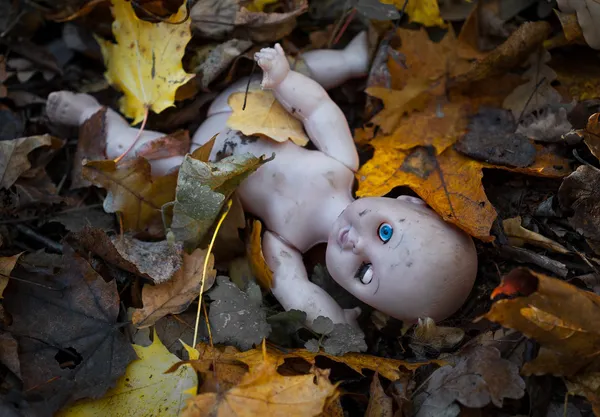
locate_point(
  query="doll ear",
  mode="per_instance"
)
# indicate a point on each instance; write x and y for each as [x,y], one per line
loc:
[411,199]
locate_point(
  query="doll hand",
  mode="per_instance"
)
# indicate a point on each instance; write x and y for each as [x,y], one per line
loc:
[274,64]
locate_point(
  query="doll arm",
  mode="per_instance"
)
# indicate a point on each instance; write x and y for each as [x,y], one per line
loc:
[304,98]
[292,288]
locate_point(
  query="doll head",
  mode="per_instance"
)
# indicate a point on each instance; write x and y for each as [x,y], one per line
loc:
[400,257]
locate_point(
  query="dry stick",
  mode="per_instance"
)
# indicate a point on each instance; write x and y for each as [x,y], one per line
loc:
[210,246]
[343,29]
[539,83]
[248,85]
[139,135]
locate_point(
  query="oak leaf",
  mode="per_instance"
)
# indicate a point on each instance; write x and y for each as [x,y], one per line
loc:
[7,264]
[264,115]
[145,63]
[144,389]
[263,391]
[14,159]
[559,316]
[132,191]
[174,296]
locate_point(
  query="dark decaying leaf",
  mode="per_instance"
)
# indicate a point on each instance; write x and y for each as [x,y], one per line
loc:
[219,59]
[380,405]
[269,27]
[491,138]
[237,317]
[214,18]
[14,159]
[91,146]
[374,9]
[76,220]
[579,194]
[70,343]
[336,339]
[202,189]
[480,376]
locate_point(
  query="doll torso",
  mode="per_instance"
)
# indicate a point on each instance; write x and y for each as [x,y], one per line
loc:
[288,193]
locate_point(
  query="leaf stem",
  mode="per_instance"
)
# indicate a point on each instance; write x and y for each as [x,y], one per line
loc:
[210,246]
[139,135]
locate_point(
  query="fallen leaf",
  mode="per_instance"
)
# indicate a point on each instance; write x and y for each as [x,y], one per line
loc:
[557,315]
[546,125]
[79,218]
[537,93]
[396,103]
[263,391]
[449,182]
[214,18]
[7,264]
[380,405]
[591,134]
[520,44]
[202,190]
[269,27]
[71,345]
[258,264]
[373,9]
[426,12]
[9,353]
[480,375]
[571,29]
[158,261]
[491,138]
[580,194]
[14,157]
[264,115]
[428,336]
[145,63]
[144,389]
[518,236]
[132,191]
[237,317]
[259,5]
[175,295]
[91,145]
[588,15]
[336,339]
[219,59]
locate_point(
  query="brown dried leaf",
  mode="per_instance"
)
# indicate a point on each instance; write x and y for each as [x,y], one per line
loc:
[380,405]
[14,159]
[269,27]
[91,146]
[174,296]
[7,264]
[559,316]
[428,335]
[518,236]
[580,193]
[263,391]
[520,44]
[132,191]
[258,265]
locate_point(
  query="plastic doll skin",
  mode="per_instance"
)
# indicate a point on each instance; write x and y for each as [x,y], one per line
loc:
[395,254]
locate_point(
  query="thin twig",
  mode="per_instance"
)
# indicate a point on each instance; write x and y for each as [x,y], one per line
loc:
[139,135]
[71,210]
[248,84]
[49,243]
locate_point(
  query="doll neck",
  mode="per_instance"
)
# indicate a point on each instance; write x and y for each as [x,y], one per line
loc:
[334,206]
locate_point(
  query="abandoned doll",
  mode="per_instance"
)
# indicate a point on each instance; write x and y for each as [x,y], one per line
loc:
[395,254]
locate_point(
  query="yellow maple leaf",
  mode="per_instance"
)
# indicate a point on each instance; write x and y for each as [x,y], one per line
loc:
[259,5]
[263,115]
[263,391]
[426,12]
[259,266]
[145,63]
[144,390]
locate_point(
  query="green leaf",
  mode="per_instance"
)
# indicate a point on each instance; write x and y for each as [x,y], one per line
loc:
[202,190]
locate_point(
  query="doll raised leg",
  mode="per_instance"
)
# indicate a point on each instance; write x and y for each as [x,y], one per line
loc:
[72,109]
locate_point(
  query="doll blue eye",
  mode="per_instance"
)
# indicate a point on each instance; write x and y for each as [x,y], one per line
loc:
[385,232]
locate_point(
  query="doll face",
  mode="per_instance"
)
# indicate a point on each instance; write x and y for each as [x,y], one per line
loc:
[400,257]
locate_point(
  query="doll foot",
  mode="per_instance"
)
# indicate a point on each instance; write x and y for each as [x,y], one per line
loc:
[274,64]
[356,55]
[67,108]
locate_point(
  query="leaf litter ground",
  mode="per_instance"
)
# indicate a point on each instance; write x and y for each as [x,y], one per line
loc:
[488,111]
